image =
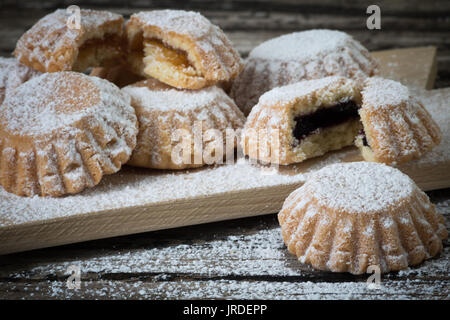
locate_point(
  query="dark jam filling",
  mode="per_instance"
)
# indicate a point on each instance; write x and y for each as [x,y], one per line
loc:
[362,133]
[323,118]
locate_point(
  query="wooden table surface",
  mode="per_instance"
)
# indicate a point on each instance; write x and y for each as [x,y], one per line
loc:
[243,258]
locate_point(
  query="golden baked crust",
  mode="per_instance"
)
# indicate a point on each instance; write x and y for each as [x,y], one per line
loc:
[277,110]
[12,75]
[50,45]
[347,217]
[61,132]
[397,127]
[293,57]
[180,48]
[162,111]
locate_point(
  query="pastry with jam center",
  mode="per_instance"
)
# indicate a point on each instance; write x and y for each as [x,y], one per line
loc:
[61,132]
[396,126]
[348,217]
[303,120]
[180,48]
[51,45]
[297,56]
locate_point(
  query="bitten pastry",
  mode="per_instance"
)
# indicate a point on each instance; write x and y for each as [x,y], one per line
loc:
[180,48]
[13,74]
[347,217]
[51,45]
[61,132]
[299,56]
[174,123]
[396,126]
[309,118]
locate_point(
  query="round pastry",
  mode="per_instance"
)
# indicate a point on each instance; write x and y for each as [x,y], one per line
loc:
[180,48]
[347,217]
[61,132]
[309,118]
[13,74]
[298,56]
[396,126]
[53,44]
[171,118]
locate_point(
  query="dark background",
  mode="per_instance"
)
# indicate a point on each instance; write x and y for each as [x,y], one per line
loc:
[248,22]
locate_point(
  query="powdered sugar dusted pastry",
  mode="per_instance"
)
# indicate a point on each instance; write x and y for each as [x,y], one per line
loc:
[309,118]
[180,48]
[347,217]
[13,74]
[174,122]
[397,128]
[61,132]
[51,45]
[298,56]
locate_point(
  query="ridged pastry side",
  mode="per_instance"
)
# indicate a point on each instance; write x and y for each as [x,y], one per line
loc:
[403,234]
[179,109]
[75,156]
[50,45]
[208,49]
[397,126]
[261,74]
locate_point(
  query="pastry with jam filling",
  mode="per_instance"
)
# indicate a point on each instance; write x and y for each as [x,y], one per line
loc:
[309,118]
[180,48]
[53,44]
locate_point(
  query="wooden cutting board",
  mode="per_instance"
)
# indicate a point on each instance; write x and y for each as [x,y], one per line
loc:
[139,200]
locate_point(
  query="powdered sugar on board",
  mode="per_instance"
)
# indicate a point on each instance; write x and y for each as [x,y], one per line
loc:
[134,187]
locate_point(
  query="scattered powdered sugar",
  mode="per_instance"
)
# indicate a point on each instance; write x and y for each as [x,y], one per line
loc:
[134,187]
[173,99]
[246,261]
[382,92]
[359,186]
[304,45]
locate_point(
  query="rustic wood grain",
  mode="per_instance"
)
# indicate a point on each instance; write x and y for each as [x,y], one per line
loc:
[253,263]
[243,258]
[404,23]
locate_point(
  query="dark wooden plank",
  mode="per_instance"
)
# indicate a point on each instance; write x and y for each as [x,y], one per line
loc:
[243,258]
[342,7]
